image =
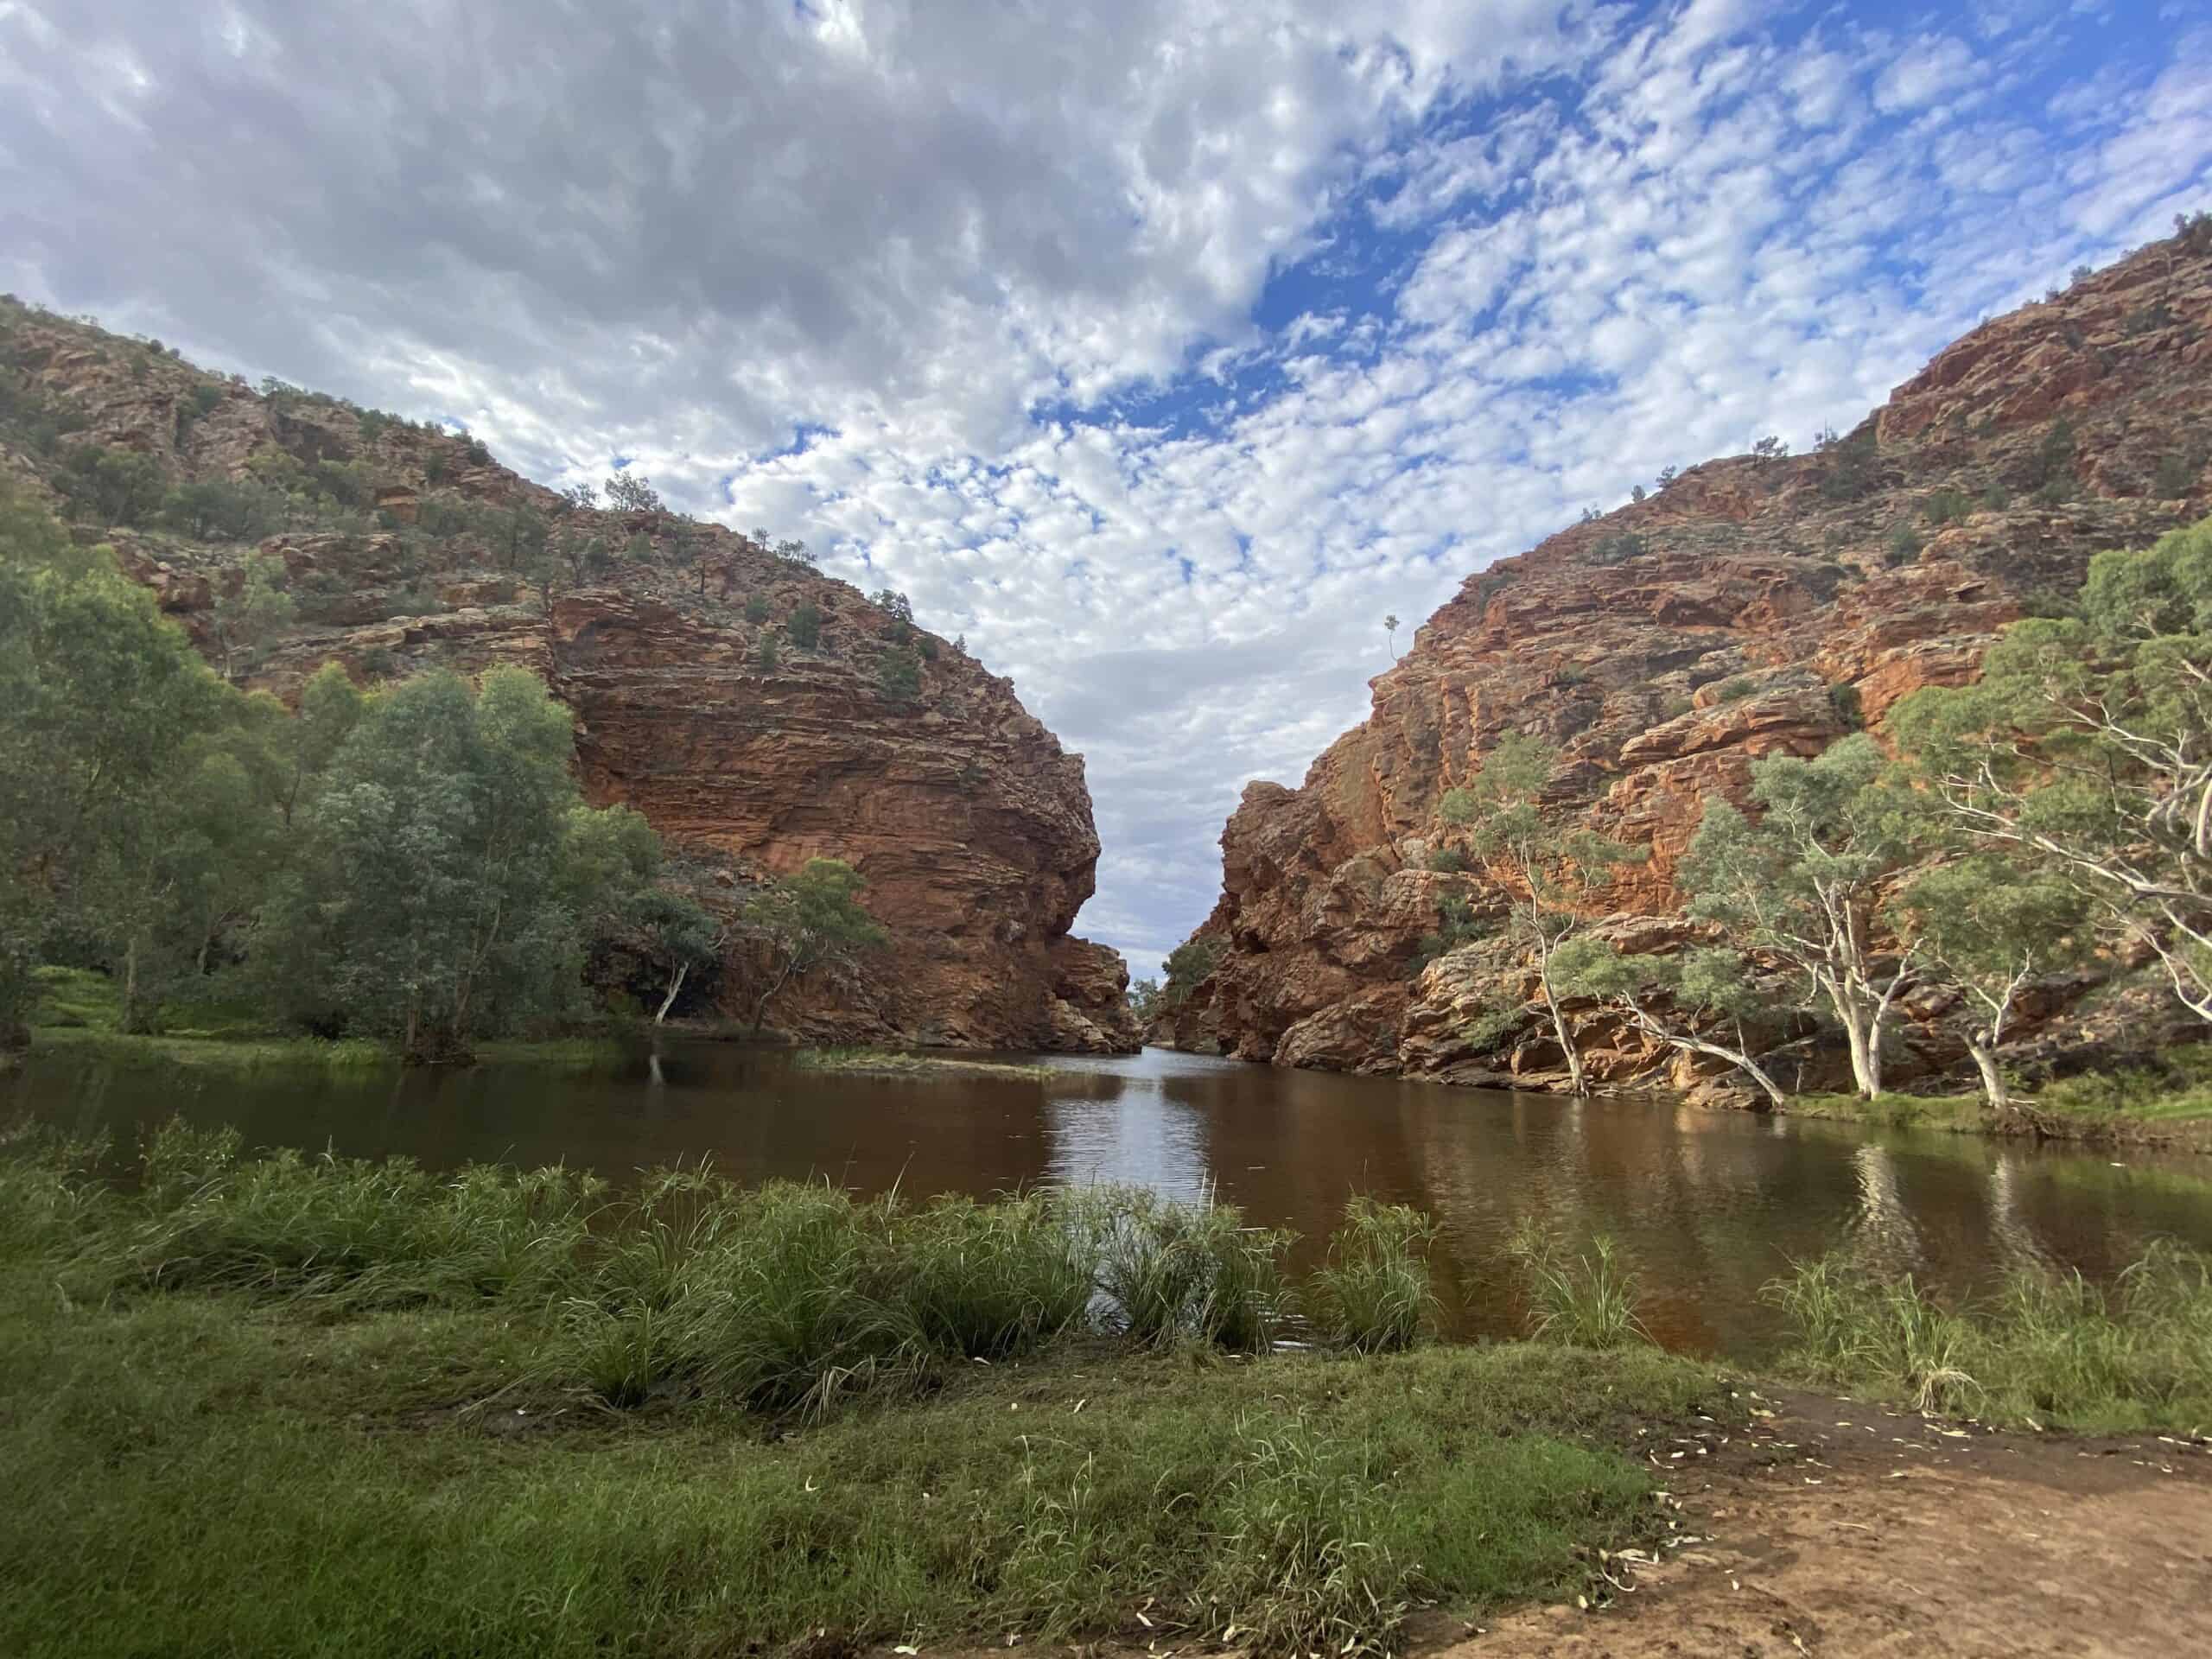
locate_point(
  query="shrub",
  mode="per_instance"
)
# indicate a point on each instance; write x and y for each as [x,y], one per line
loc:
[1947,506]
[898,675]
[1588,1301]
[1448,860]
[805,629]
[2174,479]
[1996,497]
[1853,466]
[1618,549]
[1903,547]
[1374,1295]
[1843,701]
[1173,1273]
[1736,689]
[756,609]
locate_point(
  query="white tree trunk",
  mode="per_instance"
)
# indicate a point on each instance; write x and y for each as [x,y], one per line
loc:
[675,986]
[1992,1075]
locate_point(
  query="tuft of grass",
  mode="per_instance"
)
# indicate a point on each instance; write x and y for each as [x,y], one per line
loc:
[1374,1296]
[1586,1300]
[1173,1273]
[2050,1348]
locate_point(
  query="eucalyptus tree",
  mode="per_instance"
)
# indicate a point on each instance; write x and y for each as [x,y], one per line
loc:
[1799,887]
[2086,746]
[1548,871]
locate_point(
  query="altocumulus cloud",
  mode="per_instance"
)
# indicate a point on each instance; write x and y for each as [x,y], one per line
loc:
[1160,348]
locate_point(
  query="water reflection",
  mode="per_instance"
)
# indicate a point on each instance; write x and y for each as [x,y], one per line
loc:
[1710,1205]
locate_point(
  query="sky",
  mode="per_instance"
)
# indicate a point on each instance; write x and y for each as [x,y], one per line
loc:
[1161,349]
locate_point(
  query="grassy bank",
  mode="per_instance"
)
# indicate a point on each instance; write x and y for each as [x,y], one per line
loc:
[314,1405]
[2171,1106]
[79,1012]
[303,1404]
[2049,1350]
[890,1063]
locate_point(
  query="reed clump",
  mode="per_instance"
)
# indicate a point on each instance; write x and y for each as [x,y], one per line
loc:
[1375,1295]
[1585,1298]
[2047,1348]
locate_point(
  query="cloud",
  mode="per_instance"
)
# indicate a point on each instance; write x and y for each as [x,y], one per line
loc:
[1161,348]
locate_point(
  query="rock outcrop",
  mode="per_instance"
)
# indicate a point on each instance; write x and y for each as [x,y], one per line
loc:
[1754,606]
[757,712]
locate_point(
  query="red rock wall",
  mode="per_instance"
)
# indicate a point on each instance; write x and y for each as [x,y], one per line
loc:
[1661,666]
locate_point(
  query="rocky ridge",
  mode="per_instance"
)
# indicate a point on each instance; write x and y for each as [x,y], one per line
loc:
[882,745]
[1753,606]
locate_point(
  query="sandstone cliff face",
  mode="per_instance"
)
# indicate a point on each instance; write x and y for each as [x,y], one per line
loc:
[1757,605]
[972,827]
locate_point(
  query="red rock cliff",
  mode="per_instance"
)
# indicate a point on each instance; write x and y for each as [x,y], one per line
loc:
[971,825]
[1755,606]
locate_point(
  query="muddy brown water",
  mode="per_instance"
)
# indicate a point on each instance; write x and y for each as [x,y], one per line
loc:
[1708,1204]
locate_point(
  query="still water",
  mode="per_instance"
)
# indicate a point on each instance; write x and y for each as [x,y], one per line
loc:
[1708,1204]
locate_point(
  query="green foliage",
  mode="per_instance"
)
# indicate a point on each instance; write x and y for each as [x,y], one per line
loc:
[224,510]
[104,697]
[1374,1296]
[628,491]
[809,920]
[1146,1001]
[1448,860]
[109,487]
[1172,1273]
[894,604]
[2051,1349]
[1799,886]
[1947,506]
[764,654]
[805,629]
[1843,702]
[1736,689]
[756,609]
[440,891]
[2050,469]
[1904,546]
[2082,747]
[248,619]
[2174,477]
[1455,925]
[1586,1300]
[898,675]
[1851,466]
[1618,549]
[1189,965]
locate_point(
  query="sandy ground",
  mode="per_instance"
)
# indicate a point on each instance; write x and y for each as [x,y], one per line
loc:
[1835,1530]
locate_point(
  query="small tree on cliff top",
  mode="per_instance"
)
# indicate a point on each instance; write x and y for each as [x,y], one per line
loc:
[1544,868]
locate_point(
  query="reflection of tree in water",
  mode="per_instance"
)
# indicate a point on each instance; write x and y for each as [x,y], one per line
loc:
[2009,1228]
[1882,1237]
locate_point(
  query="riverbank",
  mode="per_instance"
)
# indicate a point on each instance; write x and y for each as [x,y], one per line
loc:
[79,1013]
[287,1403]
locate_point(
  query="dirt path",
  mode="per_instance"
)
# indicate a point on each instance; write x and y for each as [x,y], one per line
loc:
[1839,1530]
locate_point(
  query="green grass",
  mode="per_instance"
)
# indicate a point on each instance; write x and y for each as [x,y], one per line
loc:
[316,1407]
[1586,1300]
[884,1062]
[2051,1349]
[1895,1111]
[2181,1090]
[1374,1296]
